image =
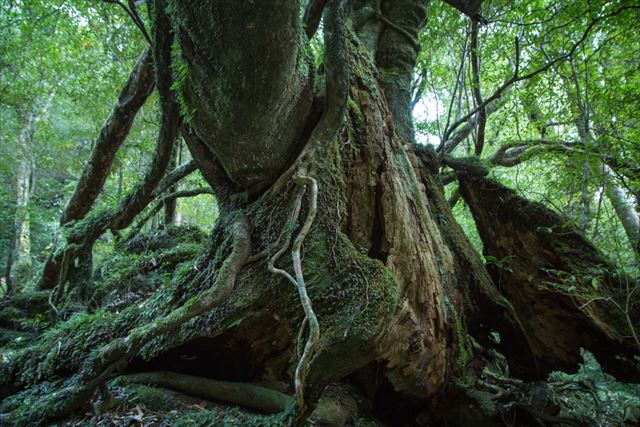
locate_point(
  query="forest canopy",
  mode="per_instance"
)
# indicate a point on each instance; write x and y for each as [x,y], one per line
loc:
[351,212]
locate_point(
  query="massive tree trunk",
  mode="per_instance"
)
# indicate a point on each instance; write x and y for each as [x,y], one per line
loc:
[315,173]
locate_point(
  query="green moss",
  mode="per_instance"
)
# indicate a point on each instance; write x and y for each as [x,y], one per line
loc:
[21,405]
[152,398]
[227,417]
[355,110]
[465,353]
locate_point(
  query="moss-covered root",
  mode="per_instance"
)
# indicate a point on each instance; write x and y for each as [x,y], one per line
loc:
[339,405]
[112,358]
[244,394]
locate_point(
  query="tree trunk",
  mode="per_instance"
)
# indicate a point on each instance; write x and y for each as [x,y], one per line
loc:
[95,172]
[171,203]
[625,208]
[19,254]
[551,273]
[19,246]
[134,94]
[382,276]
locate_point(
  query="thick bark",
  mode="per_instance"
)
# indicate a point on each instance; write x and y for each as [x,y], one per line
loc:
[548,270]
[134,94]
[240,74]
[396,57]
[376,240]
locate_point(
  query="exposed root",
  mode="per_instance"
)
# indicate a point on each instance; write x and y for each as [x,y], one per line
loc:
[287,240]
[112,358]
[339,404]
[60,290]
[300,336]
[302,369]
[314,328]
[244,394]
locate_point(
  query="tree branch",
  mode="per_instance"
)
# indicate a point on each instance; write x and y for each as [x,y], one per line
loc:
[516,77]
[158,206]
[139,86]
[477,96]
[312,16]
[131,11]
[173,177]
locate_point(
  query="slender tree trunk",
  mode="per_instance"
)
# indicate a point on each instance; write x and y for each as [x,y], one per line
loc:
[171,203]
[19,247]
[19,254]
[624,206]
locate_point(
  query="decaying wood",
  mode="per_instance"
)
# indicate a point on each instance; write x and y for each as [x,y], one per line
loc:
[537,259]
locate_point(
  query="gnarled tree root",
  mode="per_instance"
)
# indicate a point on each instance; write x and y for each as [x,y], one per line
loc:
[112,358]
[243,394]
[339,406]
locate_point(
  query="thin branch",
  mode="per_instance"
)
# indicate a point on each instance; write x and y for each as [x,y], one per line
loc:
[453,95]
[176,175]
[477,96]
[516,77]
[162,202]
[312,16]
[133,15]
